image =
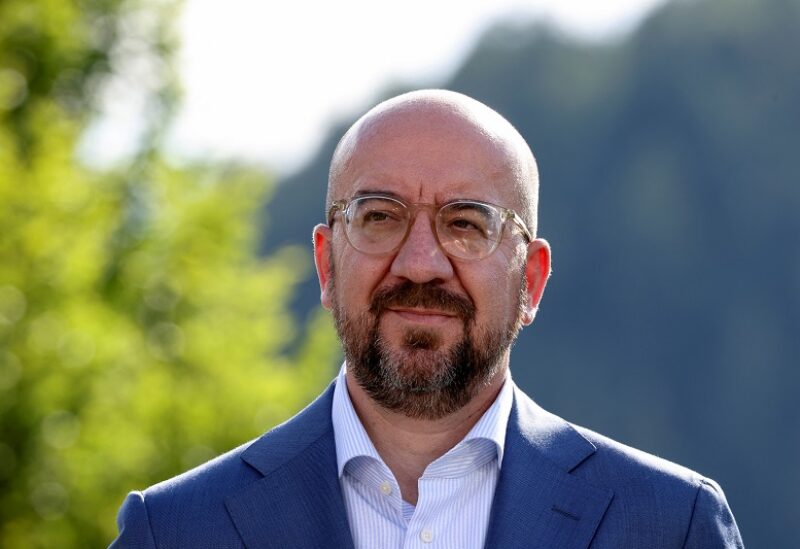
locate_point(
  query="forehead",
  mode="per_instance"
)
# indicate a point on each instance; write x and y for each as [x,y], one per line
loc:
[430,155]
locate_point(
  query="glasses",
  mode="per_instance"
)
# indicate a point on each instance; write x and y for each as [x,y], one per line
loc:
[465,229]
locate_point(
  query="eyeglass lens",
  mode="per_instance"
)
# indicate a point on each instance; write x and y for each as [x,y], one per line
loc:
[464,229]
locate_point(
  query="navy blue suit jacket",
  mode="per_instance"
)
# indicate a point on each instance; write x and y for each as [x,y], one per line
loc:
[560,486]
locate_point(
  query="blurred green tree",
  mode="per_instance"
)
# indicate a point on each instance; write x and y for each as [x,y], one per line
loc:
[140,333]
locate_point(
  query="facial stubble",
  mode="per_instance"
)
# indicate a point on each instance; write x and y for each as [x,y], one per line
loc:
[423,378]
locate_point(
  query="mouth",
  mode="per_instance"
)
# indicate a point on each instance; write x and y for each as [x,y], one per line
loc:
[421,316]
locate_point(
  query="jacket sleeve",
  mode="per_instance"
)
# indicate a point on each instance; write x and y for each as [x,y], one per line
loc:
[712,525]
[134,525]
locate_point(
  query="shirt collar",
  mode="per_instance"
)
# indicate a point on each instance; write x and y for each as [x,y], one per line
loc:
[352,440]
[349,434]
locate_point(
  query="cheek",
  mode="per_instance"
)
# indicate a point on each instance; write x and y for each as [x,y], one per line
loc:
[356,278]
[495,290]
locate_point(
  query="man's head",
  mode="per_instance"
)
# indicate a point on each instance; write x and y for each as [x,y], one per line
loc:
[449,111]
[428,273]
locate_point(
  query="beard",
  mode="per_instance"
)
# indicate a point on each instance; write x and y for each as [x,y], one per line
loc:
[422,378]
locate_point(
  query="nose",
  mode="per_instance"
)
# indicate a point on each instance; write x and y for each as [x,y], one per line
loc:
[420,259]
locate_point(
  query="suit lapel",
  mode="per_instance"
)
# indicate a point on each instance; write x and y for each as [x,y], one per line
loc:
[538,503]
[299,502]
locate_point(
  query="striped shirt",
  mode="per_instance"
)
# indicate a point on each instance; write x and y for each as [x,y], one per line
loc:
[455,491]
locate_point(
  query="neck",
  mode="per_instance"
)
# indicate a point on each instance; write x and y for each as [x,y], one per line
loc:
[408,445]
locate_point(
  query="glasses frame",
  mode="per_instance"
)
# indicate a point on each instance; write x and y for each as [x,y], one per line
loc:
[506,215]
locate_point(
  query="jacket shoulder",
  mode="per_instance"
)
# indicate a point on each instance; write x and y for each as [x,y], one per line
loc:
[623,465]
[653,501]
[181,511]
[681,505]
[189,510]
[215,478]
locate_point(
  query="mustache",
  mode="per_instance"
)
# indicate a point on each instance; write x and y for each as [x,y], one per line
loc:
[427,295]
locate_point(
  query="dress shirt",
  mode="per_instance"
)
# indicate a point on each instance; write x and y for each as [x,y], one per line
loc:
[455,491]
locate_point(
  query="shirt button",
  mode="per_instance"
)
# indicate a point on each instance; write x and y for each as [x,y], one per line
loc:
[426,536]
[386,488]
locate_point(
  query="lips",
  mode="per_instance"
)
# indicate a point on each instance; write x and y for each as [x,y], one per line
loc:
[422,316]
[421,312]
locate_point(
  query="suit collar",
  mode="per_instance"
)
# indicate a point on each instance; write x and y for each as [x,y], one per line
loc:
[298,503]
[287,440]
[548,434]
[538,501]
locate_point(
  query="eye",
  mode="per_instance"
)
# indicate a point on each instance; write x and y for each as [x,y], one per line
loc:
[467,220]
[376,216]
[377,213]
[465,225]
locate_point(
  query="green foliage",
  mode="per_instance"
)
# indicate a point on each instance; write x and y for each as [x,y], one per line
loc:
[140,333]
[40,62]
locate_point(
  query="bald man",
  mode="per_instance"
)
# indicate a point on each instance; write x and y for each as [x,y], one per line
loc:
[430,264]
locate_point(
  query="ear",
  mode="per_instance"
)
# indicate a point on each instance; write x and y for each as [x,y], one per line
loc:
[322,261]
[537,271]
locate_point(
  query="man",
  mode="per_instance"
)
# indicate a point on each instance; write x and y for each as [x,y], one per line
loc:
[430,265]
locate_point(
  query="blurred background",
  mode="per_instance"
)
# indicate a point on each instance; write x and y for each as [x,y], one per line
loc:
[162,164]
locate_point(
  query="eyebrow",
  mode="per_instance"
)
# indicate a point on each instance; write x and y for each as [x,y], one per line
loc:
[388,194]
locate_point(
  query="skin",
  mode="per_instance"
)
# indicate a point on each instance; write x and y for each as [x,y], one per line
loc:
[432,147]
